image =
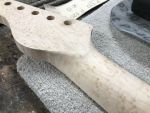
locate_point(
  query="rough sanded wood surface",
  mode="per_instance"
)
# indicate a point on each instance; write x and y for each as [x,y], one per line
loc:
[67,45]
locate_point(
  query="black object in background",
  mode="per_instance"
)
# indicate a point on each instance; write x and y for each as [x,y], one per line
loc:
[141,8]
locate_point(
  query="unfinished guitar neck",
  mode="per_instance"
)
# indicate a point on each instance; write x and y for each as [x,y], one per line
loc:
[67,45]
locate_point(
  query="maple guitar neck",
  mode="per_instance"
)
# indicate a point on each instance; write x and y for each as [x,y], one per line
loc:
[66,44]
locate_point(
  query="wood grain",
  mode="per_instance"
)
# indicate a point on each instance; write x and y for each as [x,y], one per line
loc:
[67,45]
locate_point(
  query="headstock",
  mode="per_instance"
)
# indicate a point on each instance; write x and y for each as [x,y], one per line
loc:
[38,29]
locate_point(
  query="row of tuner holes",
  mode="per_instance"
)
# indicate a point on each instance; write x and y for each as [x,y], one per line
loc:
[37,12]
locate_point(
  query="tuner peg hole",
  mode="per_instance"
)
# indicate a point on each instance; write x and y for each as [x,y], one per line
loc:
[35,13]
[8,3]
[50,18]
[20,8]
[67,22]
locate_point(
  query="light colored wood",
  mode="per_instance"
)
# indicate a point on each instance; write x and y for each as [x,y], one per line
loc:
[69,48]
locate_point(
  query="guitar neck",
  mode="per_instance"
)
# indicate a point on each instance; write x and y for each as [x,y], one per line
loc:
[66,43]
[112,87]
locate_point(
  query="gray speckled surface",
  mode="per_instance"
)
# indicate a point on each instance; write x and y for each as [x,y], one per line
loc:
[125,20]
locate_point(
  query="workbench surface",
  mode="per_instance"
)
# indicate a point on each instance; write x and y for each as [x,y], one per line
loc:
[15,94]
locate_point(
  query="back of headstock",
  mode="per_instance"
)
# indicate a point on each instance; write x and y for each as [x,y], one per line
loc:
[40,30]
